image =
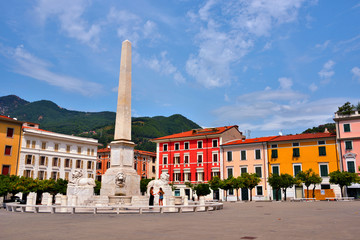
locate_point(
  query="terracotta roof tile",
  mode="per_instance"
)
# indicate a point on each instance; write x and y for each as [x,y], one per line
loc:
[303,136]
[197,132]
[250,140]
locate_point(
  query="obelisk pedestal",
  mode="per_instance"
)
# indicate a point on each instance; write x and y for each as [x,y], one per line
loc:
[121,178]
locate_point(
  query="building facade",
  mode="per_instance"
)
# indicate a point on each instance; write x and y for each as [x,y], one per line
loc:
[102,162]
[10,136]
[348,137]
[193,156]
[294,153]
[247,156]
[46,155]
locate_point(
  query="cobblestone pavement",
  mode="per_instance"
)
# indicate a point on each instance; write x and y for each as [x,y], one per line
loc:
[252,220]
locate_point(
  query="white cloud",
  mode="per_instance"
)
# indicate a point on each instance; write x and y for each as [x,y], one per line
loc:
[323,45]
[327,71]
[267,46]
[285,83]
[313,87]
[356,72]
[245,21]
[163,66]
[28,65]
[69,13]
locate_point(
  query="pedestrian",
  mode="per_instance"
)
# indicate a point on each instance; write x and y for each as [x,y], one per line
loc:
[161,196]
[151,199]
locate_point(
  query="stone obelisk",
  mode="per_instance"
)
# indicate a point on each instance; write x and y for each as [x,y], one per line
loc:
[121,179]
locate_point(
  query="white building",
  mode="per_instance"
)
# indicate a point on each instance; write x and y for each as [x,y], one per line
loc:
[47,155]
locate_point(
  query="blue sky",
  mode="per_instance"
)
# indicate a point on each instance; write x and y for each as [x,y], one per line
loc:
[263,65]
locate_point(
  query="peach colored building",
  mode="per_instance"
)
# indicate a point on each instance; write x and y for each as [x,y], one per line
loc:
[348,138]
[247,155]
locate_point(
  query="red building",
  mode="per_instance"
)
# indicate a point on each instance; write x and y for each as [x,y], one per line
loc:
[144,163]
[193,156]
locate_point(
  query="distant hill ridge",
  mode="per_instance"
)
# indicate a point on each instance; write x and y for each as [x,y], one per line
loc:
[99,125]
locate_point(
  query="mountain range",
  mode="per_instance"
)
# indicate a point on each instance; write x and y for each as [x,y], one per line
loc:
[98,125]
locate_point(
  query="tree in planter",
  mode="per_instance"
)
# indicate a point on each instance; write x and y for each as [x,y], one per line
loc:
[346,109]
[250,181]
[343,179]
[226,185]
[275,182]
[309,177]
[237,183]
[202,189]
[286,181]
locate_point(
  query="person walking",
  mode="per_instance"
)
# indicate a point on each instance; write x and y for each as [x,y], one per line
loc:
[161,196]
[151,199]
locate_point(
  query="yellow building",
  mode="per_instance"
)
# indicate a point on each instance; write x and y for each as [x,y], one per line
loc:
[294,153]
[10,137]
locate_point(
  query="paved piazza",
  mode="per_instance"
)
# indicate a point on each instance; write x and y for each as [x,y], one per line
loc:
[255,220]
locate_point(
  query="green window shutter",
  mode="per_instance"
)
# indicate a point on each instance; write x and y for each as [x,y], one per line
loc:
[351,166]
[347,127]
[275,170]
[274,153]
[297,169]
[296,152]
[348,145]
[257,154]
[322,151]
[324,171]
[243,155]
[258,171]
[229,156]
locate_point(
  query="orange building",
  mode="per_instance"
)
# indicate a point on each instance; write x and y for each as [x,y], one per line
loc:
[102,162]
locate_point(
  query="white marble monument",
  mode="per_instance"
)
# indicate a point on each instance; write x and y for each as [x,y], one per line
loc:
[121,179]
[79,189]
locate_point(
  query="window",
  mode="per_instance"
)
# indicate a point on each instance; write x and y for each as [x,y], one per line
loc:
[215,157]
[199,144]
[297,169]
[229,156]
[186,159]
[5,170]
[322,151]
[259,190]
[321,142]
[243,155]
[79,150]
[27,173]
[43,145]
[153,159]
[231,191]
[165,162]
[348,145]
[229,172]
[296,144]
[153,169]
[215,143]
[7,150]
[53,175]
[78,163]
[274,146]
[28,159]
[177,159]
[55,162]
[324,170]
[351,166]
[144,167]
[98,165]
[215,174]
[33,144]
[89,165]
[275,170]
[296,152]
[177,146]
[243,170]
[199,158]
[258,171]
[200,176]
[108,165]
[177,177]
[56,147]
[187,177]
[165,147]
[92,152]
[68,147]
[67,162]
[27,143]
[42,161]
[346,127]
[257,154]
[10,133]
[274,153]
[186,145]
[41,175]
[88,151]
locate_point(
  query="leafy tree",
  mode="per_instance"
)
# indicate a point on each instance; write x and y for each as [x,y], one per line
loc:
[202,189]
[275,182]
[309,177]
[215,183]
[286,181]
[321,128]
[143,185]
[346,109]
[237,183]
[97,187]
[25,185]
[226,185]
[4,185]
[250,181]
[343,179]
